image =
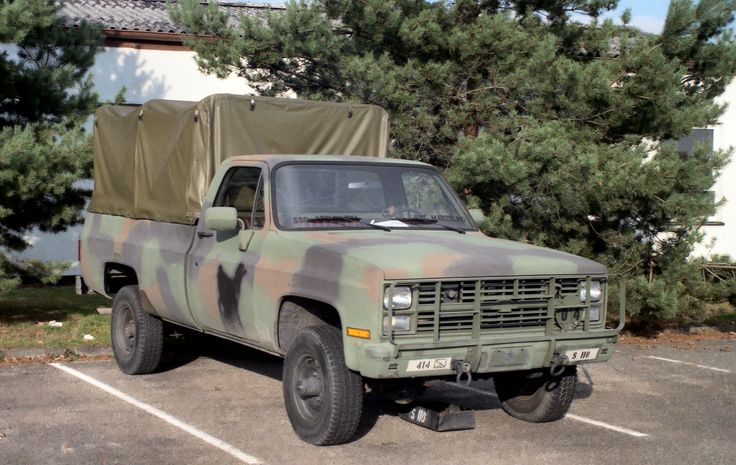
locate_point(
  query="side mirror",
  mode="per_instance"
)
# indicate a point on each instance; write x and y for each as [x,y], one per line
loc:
[477,215]
[221,218]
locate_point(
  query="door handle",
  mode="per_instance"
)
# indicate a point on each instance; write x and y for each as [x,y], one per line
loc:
[205,233]
[244,237]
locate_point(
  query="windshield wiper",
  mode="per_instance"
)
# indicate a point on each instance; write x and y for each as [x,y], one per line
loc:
[346,219]
[429,221]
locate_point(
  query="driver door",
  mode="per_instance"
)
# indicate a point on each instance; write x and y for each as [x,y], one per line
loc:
[220,272]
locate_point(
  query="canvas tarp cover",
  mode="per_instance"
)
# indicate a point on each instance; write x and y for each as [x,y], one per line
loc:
[156,161]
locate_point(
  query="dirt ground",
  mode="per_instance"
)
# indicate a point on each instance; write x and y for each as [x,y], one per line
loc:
[44,359]
[680,339]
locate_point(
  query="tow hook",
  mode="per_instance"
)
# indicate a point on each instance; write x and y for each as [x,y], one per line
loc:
[462,368]
[559,362]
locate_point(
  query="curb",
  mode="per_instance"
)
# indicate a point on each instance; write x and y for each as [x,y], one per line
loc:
[33,353]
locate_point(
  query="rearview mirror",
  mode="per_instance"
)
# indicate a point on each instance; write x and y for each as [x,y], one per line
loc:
[221,218]
[477,215]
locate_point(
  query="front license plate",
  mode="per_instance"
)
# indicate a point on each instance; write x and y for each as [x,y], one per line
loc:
[427,364]
[579,355]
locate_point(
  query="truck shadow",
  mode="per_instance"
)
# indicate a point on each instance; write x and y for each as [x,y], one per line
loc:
[584,388]
[479,395]
[189,346]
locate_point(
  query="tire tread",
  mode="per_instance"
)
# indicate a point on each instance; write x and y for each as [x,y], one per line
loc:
[552,405]
[146,355]
[346,386]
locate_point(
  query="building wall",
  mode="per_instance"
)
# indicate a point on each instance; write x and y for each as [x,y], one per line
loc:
[146,73]
[721,240]
[157,74]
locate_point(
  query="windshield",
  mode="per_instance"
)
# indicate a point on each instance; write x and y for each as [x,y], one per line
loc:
[358,196]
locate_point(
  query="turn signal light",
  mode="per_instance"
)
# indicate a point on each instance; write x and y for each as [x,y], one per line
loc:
[357,332]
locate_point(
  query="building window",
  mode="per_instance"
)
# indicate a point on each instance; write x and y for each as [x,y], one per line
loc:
[685,147]
[697,137]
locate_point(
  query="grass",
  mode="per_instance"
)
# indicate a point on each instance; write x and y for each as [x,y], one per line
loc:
[26,312]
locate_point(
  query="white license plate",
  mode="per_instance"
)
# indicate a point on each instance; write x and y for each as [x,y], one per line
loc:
[579,355]
[428,364]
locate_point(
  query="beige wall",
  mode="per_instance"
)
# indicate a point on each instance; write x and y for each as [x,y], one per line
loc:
[720,240]
[157,74]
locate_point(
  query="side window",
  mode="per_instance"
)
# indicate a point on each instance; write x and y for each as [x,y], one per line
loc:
[242,189]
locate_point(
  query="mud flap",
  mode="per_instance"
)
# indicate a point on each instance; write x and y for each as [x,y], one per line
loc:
[452,418]
[80,287]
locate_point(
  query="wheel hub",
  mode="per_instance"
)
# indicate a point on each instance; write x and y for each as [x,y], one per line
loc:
[308,388]
[129,331]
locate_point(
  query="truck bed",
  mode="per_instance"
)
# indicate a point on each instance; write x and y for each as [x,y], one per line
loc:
[155,250]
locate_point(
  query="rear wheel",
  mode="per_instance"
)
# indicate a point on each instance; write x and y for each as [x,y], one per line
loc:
[137,337]
[536,397]
[323,398]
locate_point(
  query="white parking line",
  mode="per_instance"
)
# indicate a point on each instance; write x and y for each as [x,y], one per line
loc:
[209,439]
[619,429]
[687,363]
[570,416]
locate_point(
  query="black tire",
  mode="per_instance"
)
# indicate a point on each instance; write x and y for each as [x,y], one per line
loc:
[536,397]
[137,337]
[324,399]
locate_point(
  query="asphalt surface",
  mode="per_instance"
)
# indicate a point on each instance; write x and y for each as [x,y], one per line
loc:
[657,406]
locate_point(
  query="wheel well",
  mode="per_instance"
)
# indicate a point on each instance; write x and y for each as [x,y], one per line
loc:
[296,313]
[118,276]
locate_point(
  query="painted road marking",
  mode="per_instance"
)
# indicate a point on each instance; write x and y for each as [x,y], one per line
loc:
[687,363]
[209,439]
[570,416]
[619,429]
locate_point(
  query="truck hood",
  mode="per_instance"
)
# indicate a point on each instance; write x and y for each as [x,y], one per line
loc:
[422,254]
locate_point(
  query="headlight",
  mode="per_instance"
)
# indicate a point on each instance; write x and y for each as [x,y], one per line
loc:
[398,323]
[595,291]
[400,299]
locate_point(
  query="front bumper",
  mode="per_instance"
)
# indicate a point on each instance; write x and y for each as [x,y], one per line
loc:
[384,360]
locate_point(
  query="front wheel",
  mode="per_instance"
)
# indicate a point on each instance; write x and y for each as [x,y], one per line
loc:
[323,398]
[536,397]
[137,337]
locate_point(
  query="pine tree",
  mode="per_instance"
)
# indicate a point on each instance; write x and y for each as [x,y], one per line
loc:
[45,97]
[561,131]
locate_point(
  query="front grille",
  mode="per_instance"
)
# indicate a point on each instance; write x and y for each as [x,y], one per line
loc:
[467,307]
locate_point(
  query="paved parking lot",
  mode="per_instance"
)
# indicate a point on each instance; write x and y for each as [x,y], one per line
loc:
[223,405]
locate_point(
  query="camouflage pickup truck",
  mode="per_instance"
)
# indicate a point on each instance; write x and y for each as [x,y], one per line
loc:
[359,271]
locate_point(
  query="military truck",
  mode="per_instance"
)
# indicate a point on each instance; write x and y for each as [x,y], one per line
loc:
[360,270]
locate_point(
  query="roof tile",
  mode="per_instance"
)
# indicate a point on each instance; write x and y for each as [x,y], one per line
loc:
[143,15]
